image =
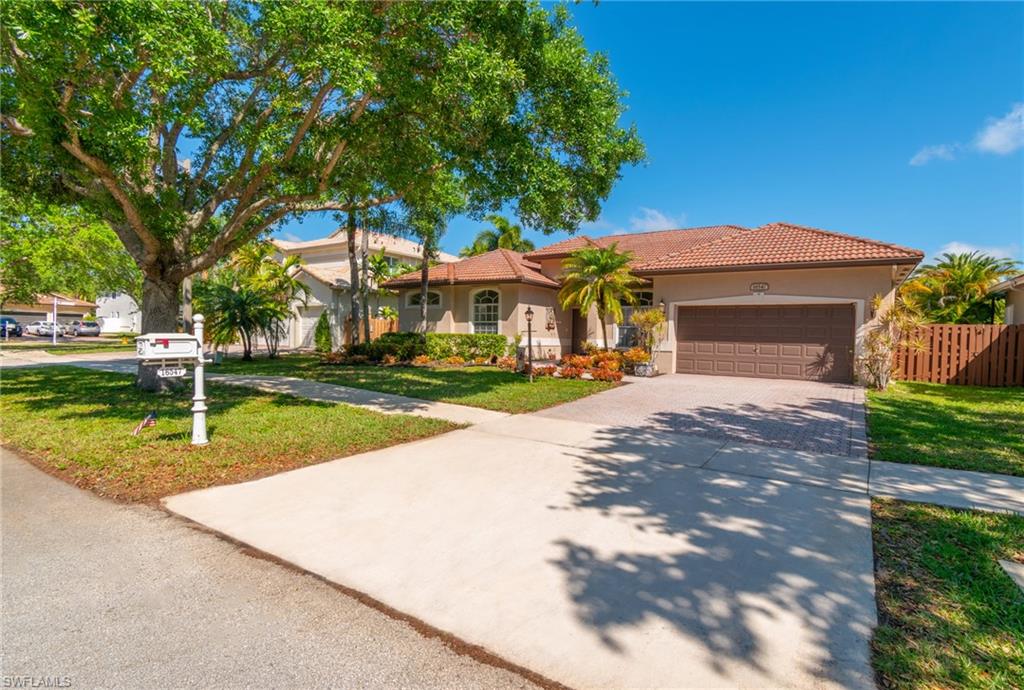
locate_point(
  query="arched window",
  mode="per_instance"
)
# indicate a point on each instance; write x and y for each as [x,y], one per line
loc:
[433,299]
[486,305]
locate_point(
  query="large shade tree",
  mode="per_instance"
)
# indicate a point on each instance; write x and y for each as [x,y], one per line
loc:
[193,126]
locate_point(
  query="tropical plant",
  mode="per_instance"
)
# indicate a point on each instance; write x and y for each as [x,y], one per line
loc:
[651,325]
[387,312]
[955,288]
[598,277]
[322,340]
[381,269]
[278,282]
[290,108]
[505,235]
[236,309]
[893,328]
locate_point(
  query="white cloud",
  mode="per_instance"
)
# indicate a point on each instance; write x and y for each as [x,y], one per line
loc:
[1000,136]
[649,219]
[946,152]
[290,237]
[1008,251]
[1003,135]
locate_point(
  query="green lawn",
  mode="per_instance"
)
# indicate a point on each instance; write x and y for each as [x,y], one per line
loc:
[487,387]
[78,423]
[949,616]
[961,427]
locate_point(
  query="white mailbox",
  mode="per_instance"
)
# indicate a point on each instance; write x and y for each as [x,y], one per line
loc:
[158,348]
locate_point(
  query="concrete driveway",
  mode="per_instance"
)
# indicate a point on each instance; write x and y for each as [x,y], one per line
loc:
[598,555]
[801,415]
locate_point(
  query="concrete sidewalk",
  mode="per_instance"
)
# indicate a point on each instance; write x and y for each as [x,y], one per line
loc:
[952,488]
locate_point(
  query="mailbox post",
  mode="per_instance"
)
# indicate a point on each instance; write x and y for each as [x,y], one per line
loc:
[199,394]
[172,352]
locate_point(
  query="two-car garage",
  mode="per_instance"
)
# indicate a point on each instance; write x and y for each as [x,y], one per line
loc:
[813,342]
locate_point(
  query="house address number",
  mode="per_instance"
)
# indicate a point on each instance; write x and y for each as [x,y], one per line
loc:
[759,287]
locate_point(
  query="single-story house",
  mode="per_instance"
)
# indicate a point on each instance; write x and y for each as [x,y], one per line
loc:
[326,274]
[1013,290]
[41,309]
[776,301]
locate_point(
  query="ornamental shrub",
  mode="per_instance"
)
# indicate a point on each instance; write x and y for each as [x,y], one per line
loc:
[577,361]
[454,361]
[604,374]
[322,334]
[404,347]
[468,346]
[567,372]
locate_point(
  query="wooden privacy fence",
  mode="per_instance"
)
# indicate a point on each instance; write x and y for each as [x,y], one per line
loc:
[378,327]
[966,355]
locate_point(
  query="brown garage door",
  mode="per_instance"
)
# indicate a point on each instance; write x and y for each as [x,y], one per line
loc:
[806,341]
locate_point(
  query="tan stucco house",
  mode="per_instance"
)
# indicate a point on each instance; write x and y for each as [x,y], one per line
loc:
[326,273]
[776,301]
[1013,290]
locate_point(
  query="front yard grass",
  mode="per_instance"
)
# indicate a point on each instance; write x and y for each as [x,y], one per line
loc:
[68,348]
[960,427]
[487,387]
[949,616]
[77,423]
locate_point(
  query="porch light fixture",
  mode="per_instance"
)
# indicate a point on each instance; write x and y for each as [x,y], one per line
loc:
[661,304]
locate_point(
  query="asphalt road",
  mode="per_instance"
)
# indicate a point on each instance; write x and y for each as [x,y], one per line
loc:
[108,595]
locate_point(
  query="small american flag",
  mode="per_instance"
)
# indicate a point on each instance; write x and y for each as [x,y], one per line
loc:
[150,420]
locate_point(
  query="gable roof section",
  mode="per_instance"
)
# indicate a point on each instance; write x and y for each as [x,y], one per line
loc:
[377,241]
[331,276]
[779,245]
[646,246]
[1014,283]
[497,266]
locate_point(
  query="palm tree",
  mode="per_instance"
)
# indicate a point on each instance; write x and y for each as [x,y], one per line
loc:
[381,270]
[598,277]
[505,235]
[955,288]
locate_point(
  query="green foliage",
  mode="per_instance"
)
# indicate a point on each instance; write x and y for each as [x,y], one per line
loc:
[249,297]
[322,334]
[49,248]
[387,312]
[299,107]
[403,347]
[598,277]
[505,235]
[955,289]
[468,346]
[651,324]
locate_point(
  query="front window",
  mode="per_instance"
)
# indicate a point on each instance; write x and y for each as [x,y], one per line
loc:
[486,304]
[628,333]
[433,299]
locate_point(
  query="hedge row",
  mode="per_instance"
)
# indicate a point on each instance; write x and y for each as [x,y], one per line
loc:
[404,347]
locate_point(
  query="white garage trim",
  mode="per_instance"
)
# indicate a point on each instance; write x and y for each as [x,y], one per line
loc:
[859,324]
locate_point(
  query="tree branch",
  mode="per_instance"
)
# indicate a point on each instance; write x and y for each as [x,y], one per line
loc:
[15,127]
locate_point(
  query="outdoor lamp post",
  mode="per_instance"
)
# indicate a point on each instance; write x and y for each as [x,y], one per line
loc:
[529,340]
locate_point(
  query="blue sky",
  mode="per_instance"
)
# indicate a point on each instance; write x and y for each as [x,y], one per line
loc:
[900,122]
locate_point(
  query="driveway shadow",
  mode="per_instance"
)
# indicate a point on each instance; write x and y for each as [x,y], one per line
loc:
[769,578]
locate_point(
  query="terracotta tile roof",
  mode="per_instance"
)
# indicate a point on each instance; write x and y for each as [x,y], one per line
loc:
[498,266]
[646,246]
[780,244]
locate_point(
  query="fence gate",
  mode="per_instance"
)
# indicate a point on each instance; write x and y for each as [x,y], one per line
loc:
[378,327]
[966,355]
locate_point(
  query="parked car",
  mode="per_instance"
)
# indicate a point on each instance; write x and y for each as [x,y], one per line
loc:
[83,328]
[9,327]
[45,328]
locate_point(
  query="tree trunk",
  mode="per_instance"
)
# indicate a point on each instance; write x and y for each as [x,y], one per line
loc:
[353,280]
[160,302]
[364,255]
[604,329]
[424,285]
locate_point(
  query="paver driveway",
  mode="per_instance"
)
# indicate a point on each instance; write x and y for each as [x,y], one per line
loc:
[802,415]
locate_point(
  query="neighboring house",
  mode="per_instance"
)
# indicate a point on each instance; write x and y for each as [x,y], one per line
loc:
[68,308]
[325,272]
[118,312]
[777,301]
[1013,290]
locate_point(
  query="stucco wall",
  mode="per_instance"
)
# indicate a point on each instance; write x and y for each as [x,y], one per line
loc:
[1015,307]
[856,286]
